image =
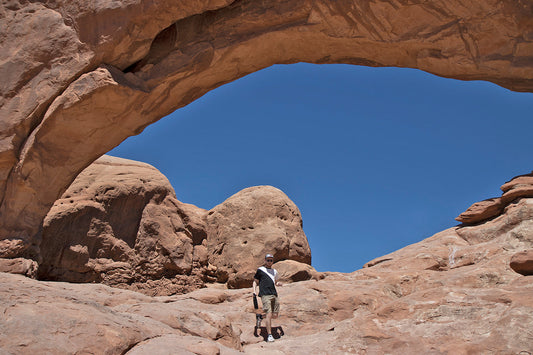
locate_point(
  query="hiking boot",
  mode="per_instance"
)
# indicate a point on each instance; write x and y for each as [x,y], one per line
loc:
[258,319]
[270,338]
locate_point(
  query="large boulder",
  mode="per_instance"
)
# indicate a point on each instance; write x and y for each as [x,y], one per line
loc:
[294,271]
[120,223]
[522,262]
[249,224]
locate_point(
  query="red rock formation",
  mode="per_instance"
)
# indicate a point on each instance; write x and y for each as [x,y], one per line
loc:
[518,187]
[294,271]
[78,77]
[120,223]
[522,262]
[19,266]
[481,211]
[249,224]
[452,293]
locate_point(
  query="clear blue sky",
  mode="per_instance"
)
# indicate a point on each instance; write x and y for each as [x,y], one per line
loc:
[375,158]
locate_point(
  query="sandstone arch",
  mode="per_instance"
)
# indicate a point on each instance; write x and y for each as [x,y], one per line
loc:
[79,77]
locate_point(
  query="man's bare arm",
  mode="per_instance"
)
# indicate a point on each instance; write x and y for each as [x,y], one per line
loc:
[254,286]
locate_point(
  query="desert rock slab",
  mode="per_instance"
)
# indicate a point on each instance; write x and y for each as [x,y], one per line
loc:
[453,292]
[70,319]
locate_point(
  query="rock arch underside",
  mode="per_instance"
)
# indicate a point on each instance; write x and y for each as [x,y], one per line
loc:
[79,77]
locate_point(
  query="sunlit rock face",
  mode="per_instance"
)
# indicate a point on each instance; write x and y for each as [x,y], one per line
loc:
[120,224]
[244,228]
[518,187]
[465,290]
[78,77]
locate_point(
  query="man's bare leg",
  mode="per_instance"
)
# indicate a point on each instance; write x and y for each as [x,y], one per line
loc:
[269,317]
[268,323]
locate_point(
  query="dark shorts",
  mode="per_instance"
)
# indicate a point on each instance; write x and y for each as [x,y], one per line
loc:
[270,303]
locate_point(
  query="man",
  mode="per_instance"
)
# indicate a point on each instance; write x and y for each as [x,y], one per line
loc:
[267,279]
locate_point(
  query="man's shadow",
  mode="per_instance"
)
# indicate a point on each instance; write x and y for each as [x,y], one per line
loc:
[277,332]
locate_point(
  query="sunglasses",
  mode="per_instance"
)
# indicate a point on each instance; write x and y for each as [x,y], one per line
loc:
[269,260]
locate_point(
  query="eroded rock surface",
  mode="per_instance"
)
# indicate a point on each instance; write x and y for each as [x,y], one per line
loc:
[120,223]
[516,188]
[452,293]
[522,262]
[251,223]
[78,77]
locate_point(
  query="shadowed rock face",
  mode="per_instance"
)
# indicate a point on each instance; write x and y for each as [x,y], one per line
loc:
[78,77]
[522,262]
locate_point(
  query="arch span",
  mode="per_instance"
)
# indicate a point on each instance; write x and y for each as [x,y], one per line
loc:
[81,77]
